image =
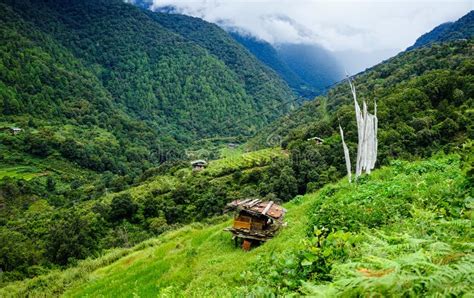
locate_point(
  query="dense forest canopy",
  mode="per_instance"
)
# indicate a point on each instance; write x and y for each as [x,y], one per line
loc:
[112,67]
[425,100]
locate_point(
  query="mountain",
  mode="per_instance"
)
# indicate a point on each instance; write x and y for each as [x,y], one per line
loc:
[312,63]
[107,95]
[460,29]
[266,53]
[114,69]
[264,84]
[308,69]
[50,218]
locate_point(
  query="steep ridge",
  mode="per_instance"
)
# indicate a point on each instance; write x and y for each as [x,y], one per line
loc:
[258,80]
[266,53]
[308,69]
[460,29]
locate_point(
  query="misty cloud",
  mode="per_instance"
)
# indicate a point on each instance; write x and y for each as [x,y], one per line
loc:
[337,25]
[368,30]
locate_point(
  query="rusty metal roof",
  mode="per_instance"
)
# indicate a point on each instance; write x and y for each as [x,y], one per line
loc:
[267,208]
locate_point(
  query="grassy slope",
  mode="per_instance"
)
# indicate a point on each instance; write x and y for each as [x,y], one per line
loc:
[423,247]
[232,160]
[195,259]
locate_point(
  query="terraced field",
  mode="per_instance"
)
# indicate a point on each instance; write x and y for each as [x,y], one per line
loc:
[20,172]
[243,161]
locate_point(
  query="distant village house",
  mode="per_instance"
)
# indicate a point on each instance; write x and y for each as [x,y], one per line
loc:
[15,130]
[12,130]
[316,140]
[198,165]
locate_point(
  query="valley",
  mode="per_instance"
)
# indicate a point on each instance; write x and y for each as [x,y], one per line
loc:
[105,105]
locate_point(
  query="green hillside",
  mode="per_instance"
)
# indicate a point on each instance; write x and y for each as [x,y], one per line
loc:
[54,214]
[425,103]
[111,68]
[258,80]
[109,102]
[402,231]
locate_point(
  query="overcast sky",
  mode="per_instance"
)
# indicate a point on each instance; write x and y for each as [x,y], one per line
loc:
[379,27]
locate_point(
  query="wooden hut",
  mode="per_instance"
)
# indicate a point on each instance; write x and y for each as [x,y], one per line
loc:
[255,221]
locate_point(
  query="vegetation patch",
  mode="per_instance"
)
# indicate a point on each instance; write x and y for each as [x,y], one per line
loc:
[420,252]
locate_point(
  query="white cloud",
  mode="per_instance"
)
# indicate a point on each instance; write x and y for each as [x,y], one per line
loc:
[363,26]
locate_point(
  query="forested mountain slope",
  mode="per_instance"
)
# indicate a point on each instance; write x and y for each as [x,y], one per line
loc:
[308,69]
[403,231]
[460,29]
[425,101]
[105,98]
[264,84]
[266,53]
[314,64]
[109,66]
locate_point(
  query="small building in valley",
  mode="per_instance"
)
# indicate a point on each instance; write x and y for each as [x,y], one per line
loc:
[198,165]
[15,130]
[255,221]
[316,140]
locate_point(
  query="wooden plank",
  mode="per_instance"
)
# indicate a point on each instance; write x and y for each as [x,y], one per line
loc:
[257,226]
[267,208]
[254,203]
[244,201]
[242,225]
[250,204]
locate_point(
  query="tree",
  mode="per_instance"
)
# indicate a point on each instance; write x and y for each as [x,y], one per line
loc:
[73,234]
[50,184]
[122,207]
[16,250]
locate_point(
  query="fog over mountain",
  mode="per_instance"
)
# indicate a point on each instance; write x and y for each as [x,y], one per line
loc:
[360,35]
